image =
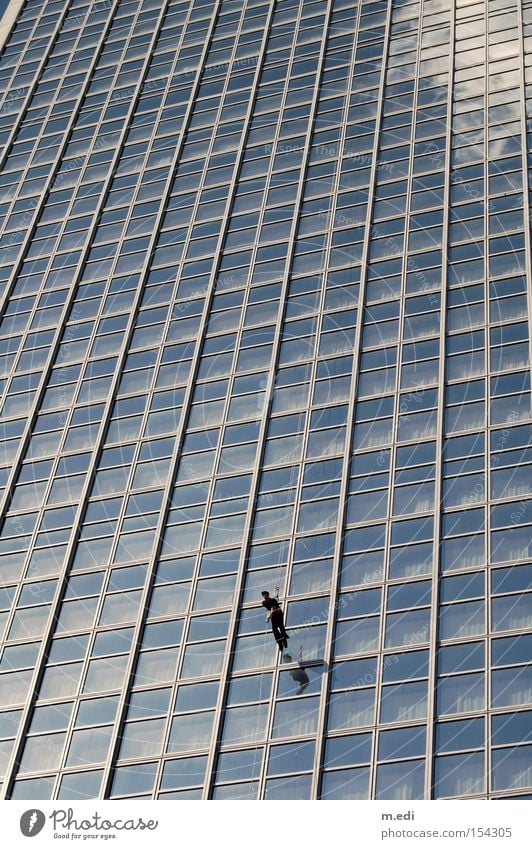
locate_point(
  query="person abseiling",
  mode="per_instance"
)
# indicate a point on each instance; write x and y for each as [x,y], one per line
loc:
[275,615]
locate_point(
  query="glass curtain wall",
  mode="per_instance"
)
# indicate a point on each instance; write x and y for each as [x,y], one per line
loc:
[265,283]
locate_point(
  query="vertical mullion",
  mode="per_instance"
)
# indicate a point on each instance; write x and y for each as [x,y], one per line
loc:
[34,216]
[335,579]
[440,431]
[284,301]
[118,722]
[489,790]
[487,392]
[182,427]
[320,732]
[51,361]
[39,392]
[262,432]
[64,572]
[398,412]
[527,198]
[9,19]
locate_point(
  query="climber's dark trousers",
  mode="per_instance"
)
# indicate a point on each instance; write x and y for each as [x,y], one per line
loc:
[278,625]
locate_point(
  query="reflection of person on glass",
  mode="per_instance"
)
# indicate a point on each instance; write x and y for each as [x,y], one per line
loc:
[275,615]
[298,674]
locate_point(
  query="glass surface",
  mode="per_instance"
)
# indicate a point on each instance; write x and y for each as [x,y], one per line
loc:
[233,766]
[81,785]
[402,743]
[296,787]
[89,746]
[247,349]
[460,775]
[190,731]
[295,716]
[346,784]
[291,757]
[400,780]
[183,772]
[460,734]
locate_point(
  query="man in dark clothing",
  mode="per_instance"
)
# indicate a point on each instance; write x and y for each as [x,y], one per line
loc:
[275,615]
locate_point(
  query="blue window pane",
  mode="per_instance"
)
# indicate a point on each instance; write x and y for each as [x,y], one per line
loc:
[81,785]
[460,693]
[236,791]
[354,673]
[513,612]
[461,657]
[461,734]
[297,787]
[401,780]
[245,724]
[404,702]
[511,686]
[403,665]
[139,778]
[295,716]
[183,772]
[508,650]
[346,784]
[512,768]
[346,750]
[402,743]
[33,788]
[459,775]
[352,709]
[190,731]
[511,728]
[294,756]
[234,766]
[407,628]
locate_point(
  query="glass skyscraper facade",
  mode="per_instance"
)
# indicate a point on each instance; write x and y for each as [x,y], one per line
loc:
[265,273]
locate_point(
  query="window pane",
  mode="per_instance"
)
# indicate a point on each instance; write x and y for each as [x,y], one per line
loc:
[460,775]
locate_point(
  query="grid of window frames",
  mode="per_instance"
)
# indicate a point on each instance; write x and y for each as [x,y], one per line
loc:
[265,278]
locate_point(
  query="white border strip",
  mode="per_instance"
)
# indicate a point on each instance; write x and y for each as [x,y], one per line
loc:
[10,16]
